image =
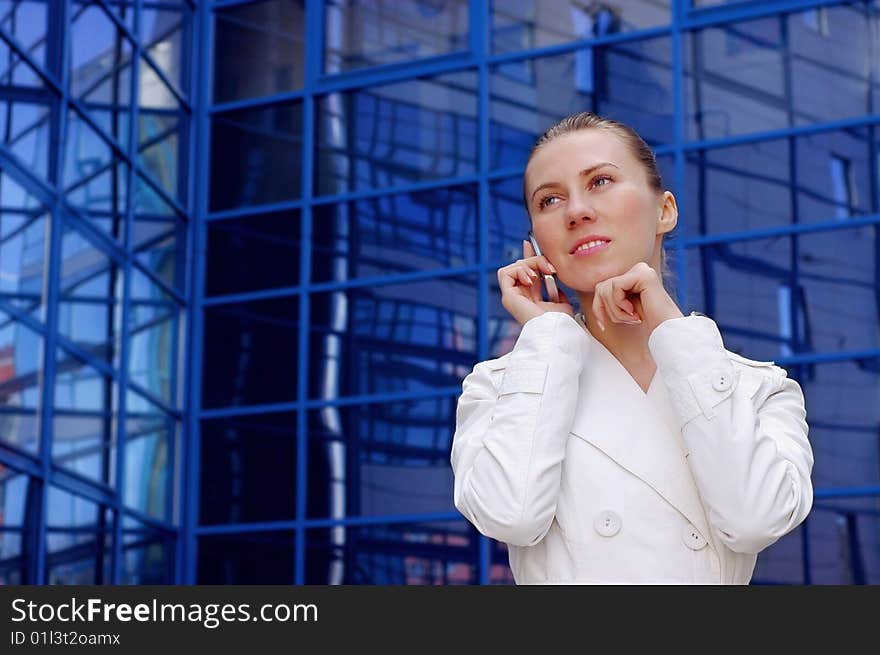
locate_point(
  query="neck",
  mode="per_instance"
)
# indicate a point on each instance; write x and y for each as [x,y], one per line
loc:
[628,343]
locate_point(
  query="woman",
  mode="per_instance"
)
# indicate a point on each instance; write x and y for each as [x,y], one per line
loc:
[623,444]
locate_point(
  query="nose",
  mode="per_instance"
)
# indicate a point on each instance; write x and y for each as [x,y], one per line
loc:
[579,209]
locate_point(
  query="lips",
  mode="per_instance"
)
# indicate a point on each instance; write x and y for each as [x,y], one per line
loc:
[590,239]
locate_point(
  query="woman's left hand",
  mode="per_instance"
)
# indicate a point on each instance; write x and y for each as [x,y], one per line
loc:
[636,297]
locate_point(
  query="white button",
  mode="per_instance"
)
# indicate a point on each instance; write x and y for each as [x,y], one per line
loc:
[692,539]
[607,523]
[722,382]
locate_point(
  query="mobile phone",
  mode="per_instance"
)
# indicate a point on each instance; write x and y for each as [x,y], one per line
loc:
[551,282]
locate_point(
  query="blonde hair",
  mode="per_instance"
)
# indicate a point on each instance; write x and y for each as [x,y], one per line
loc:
[642,151]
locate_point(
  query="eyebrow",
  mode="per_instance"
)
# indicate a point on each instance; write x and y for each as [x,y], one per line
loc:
[583,173]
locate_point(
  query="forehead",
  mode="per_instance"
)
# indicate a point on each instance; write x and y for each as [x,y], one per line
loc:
[567,155]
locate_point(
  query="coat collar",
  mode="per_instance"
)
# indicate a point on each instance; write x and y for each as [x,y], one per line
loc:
[637,430]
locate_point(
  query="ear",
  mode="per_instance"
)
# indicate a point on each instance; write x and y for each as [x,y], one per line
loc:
[668,213]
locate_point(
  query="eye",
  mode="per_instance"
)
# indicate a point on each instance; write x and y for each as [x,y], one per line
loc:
[598,178]
[545,200]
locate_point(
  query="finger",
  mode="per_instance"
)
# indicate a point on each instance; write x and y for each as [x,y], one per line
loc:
[612,297]
[528,249]
[525,275]
[621,302]
[598,310]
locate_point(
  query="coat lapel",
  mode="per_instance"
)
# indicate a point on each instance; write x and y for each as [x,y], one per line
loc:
[637,430]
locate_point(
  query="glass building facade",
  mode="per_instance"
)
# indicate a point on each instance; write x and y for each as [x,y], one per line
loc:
[248,252]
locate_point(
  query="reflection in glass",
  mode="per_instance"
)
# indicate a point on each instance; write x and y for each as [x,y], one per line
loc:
[100,69]
[248,469]
[159,247]
[160,138]
[258,49]
[90,288]
[395,234]
[25,22]
[381,458]
[749,187]
[254,253]
[153,337]
[79,537]
[23,231]
[20,382]
[499,564]
[25,129]
[508,221]
[150,455]
[395,134]
[15,489]
[163,33]
[631,82]
[250,352]
[94,177]
[84,423]
[147,554]
[359,33]
[256,156]
[736,73]
[524,25]
[248,558]
[411,336]
[747,288]
[395,554]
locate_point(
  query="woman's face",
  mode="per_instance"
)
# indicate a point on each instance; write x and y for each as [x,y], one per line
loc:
[587,186]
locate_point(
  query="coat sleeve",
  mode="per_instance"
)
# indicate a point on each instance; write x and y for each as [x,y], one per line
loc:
[510,440]
[749,453]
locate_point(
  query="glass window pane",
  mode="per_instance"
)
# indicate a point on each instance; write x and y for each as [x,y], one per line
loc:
[396,134]
[25,22]
[359,33]
[381,458]
[508,221]
[258,49]
[630,82]
[411,336]
[147,554]
[160,246]
[831,54]
[153,334]
[248,469]
[783,562]
[747,288]
[15,489]
[394,234]
[95,178]
[518,25]
[394,554]
[254,253]
[23,245]
[256,156]
[749,187]
[79,538]
[250,353]
[84,421]
[21,357]
[15,71]
[89,292]
[249,558]
[844,546]
[24,125]
[100,69]
[80,387]
[734,75]
[150,458]
[164,33]
[161,139]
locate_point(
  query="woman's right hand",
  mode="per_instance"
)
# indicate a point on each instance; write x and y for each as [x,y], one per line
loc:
[520,284]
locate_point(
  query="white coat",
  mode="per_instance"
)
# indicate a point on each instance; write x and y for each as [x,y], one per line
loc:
[560,453]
